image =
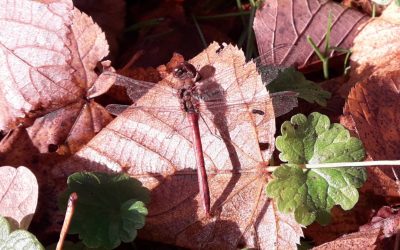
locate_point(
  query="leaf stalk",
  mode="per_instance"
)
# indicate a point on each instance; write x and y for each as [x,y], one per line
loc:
[344,164]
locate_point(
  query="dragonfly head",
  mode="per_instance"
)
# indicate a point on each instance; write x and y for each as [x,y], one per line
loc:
[186,71]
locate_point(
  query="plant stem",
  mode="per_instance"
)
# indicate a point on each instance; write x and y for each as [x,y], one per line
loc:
[373,10]
[249,42]
[240,8]
[328,35]
[67,220]
[345,164]
[146,23]
[323,59]
[235,14]
[202,38]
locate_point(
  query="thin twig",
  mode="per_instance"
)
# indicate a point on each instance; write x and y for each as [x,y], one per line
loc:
[133,59]
[67,220]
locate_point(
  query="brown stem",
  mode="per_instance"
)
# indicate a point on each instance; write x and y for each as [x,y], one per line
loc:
[67,220]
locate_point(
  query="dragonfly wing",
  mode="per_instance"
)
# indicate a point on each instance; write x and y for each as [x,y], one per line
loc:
[254,110]
[268,66]
[116,109]
[135,89]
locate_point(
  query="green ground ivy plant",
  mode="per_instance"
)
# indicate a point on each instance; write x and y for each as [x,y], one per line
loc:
[110,208]
[311,193]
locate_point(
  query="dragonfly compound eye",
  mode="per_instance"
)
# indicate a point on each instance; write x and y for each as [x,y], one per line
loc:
[185,71]
[179,72]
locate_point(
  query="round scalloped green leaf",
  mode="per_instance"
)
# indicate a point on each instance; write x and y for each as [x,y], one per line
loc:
[110,208]
[316,140]
[311,194]
[5,230]
[133,214]
[18,239]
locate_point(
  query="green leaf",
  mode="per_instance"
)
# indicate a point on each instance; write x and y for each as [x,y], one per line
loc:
[291,80]
[110,208]
[311,194]
[18,239]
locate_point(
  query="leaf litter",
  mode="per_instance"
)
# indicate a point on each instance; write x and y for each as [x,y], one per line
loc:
[48,66]
[170,179]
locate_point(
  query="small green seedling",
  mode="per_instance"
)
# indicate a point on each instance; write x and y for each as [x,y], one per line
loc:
[311,193]
[324,56]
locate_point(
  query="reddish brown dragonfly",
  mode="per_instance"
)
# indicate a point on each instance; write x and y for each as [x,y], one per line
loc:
[198,97]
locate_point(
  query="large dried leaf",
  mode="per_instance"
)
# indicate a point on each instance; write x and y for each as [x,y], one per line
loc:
[19,195]
[369,236]
[156,148]
[376,47]
[373,103]
[358,240]
[48,55]
[289,22]
[387,219]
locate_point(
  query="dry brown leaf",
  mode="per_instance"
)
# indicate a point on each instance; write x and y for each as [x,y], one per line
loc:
[380,184]
[387,220]
[357,240]
[289,22]
[375,50]
[17,149]
[48,55]
[156,148]
[385,224]
[372,104]
[19,195]
[376,47]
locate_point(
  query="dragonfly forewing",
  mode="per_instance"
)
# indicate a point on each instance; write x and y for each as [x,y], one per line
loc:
[137,89]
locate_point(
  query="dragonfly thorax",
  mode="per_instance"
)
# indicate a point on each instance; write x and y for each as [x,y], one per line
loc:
[188,100]
[187,74]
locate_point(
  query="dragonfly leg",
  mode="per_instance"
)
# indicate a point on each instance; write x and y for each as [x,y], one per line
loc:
[209,129]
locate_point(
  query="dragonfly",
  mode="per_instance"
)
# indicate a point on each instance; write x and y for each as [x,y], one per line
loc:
[197,95]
